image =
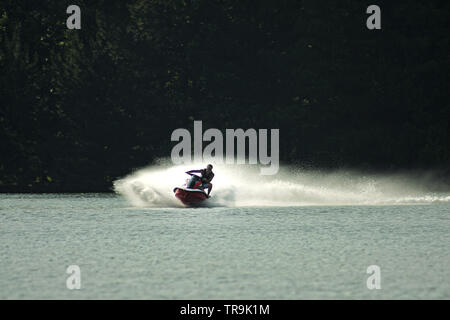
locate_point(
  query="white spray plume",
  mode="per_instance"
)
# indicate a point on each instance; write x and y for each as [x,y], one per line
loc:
[242,185]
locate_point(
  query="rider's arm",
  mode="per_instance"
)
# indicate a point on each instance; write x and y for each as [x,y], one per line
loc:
[194,171]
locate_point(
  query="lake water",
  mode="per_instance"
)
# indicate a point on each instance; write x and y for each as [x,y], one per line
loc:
[303,252]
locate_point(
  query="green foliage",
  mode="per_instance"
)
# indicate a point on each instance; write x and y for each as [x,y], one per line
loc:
[81,107]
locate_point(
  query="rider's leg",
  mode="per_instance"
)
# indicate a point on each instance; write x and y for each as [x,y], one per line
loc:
[209,188]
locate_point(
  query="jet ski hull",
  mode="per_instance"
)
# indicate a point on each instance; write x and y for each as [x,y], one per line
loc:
[190,197]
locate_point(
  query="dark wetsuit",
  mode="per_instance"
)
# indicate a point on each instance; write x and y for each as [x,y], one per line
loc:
[206,176]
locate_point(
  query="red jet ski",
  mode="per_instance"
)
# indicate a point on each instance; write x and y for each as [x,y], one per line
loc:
[191,194]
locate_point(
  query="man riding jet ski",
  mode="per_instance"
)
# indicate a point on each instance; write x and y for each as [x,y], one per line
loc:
[192,193]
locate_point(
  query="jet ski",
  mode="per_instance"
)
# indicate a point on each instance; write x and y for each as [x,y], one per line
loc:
[191,194]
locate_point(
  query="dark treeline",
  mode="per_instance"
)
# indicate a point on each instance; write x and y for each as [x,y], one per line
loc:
[79,108]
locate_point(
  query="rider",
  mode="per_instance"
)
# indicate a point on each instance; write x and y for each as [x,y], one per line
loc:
[207,176]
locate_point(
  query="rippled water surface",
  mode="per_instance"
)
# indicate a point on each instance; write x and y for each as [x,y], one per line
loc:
[306,252]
